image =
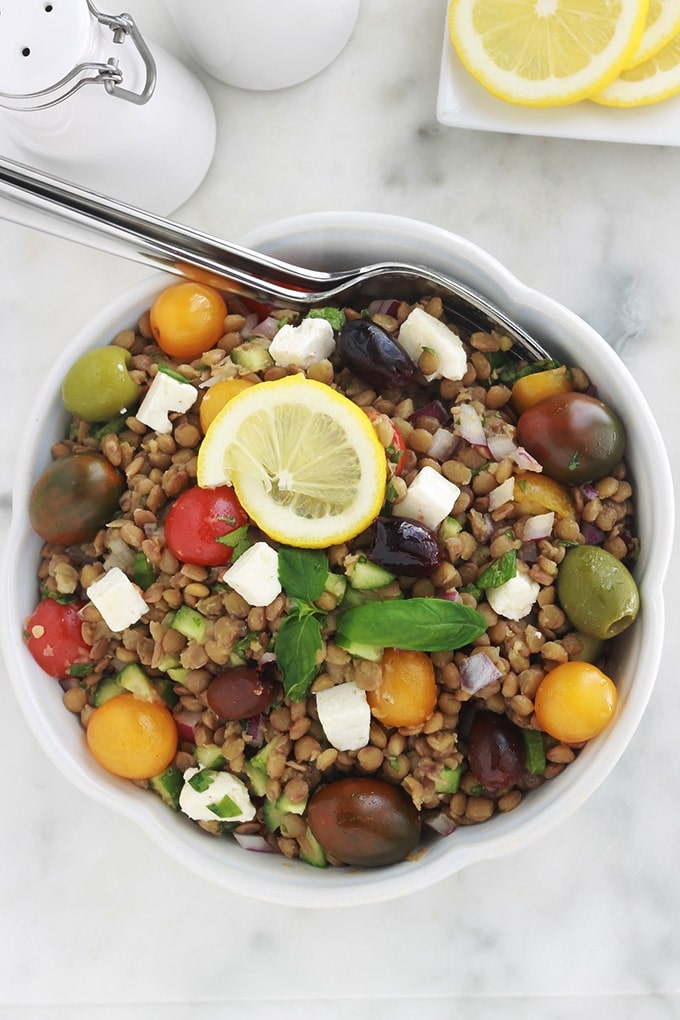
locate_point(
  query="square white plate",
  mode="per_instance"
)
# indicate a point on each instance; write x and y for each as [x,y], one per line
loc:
[463,102]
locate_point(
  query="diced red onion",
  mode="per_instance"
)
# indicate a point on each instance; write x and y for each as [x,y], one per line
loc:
[186,723]
[500,445]
[254,842]
[388,307]
[247,327]
[451,595]
[503,493]
[592,535]
[525,461]
[589,491]
[440,823]
[468,425]
[444,445]
[477,671]
[268,328]
[68,683]
[435,409]
[254,729]
[528,553]
[539,526]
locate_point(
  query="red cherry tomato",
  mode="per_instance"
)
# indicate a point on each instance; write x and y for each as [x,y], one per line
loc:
[396,451]
[54,637]
[196,522]
[575,437]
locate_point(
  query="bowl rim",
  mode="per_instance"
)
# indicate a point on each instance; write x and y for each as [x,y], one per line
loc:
[287,883]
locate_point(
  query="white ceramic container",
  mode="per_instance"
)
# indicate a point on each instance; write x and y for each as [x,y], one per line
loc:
[338,240]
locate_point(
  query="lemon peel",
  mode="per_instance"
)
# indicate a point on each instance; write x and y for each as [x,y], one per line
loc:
[661,25]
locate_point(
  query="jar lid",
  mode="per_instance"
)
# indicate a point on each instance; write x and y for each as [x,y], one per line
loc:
[41,43]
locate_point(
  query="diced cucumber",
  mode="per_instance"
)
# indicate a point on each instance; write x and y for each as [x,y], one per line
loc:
[142,571]
[256,767]
[449,528]
[336,585]
[133,678]
[191,623]
[449,780]
[274,812]
[209,756]
[105,690]
[178,674]
[253,355]
[373,653]
[168,786]
[311,851]
[366,576]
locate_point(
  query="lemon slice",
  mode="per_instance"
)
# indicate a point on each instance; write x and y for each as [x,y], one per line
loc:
[304,460]
[546,52]
[655,79]
[663,22]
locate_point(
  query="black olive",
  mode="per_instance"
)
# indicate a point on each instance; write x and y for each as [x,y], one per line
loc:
[370,353]
[405,547]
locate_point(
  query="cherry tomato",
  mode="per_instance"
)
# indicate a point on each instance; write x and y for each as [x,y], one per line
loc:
[408,691]
[74,497]
[536,386]
[396,451]
[53,634]
[198,519]
[133,739]
[188,319]
[217,396]
[535,493]
[575,701]
[364,822]
[575,437]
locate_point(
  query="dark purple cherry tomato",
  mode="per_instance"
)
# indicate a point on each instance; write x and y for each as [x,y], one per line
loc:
[405,547]
[74,497]
[575,437]
[53,634]
[370,353]
[198,519]
[239,693]
[495,751]
[364,822]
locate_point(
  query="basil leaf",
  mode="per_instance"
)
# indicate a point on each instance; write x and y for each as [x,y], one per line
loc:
[418,624]
[297,643]
[498,572]
[303,572]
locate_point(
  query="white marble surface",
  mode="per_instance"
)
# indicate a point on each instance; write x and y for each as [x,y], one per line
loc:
[94,921]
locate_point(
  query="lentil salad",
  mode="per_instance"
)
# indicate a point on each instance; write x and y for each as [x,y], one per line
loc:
[282,754]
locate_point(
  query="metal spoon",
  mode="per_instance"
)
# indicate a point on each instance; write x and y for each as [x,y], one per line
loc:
[52,205]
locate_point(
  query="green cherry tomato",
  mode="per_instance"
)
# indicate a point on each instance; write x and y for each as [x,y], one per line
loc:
[99,385]
[74,497]
[597,592]
[575,437]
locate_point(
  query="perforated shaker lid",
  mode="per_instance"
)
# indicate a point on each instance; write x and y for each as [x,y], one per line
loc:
[41,41]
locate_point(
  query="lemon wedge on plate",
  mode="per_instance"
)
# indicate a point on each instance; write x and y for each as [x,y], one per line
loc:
[304,460]
[663,22]
[546,52]
[655,79]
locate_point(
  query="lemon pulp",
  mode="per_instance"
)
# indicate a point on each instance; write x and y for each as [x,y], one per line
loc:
[304,460]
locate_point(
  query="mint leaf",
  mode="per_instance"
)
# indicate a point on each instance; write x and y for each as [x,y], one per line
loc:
[498,572]
[303,572]
[417,624]
[297,643]
[335,316]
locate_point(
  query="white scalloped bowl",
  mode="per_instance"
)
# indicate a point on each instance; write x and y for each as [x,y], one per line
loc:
[336,240]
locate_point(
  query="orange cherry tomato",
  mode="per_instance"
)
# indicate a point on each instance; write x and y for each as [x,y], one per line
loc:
[132,738]
[408,692]
[217,396]
[188,319]
[535,493]
[575,701]
[536,386]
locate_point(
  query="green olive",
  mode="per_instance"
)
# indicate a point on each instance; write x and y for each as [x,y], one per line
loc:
[99,385]
[597,592]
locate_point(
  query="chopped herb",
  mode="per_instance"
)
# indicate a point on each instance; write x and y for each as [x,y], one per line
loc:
[575,461]
[335,316]
[78,669]
[513,371]
[113,427]
[499,571]
[202,781]
[173,373]
[225,808]
[236,540]
[534,752]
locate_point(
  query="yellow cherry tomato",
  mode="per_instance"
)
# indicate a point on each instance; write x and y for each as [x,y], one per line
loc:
[575,701]
[188,319]
[132,738]
[217,396]
[408,692]
[536,386]
[535,493]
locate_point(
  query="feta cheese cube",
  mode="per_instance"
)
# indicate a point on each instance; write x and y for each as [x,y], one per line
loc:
[429,498]
[345,716]
[421,330]
[301,346]
[215,796]
[117,599]
[165,394]
[255,575]
[515,598]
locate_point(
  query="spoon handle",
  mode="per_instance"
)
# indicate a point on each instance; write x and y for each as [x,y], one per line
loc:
[52,205]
